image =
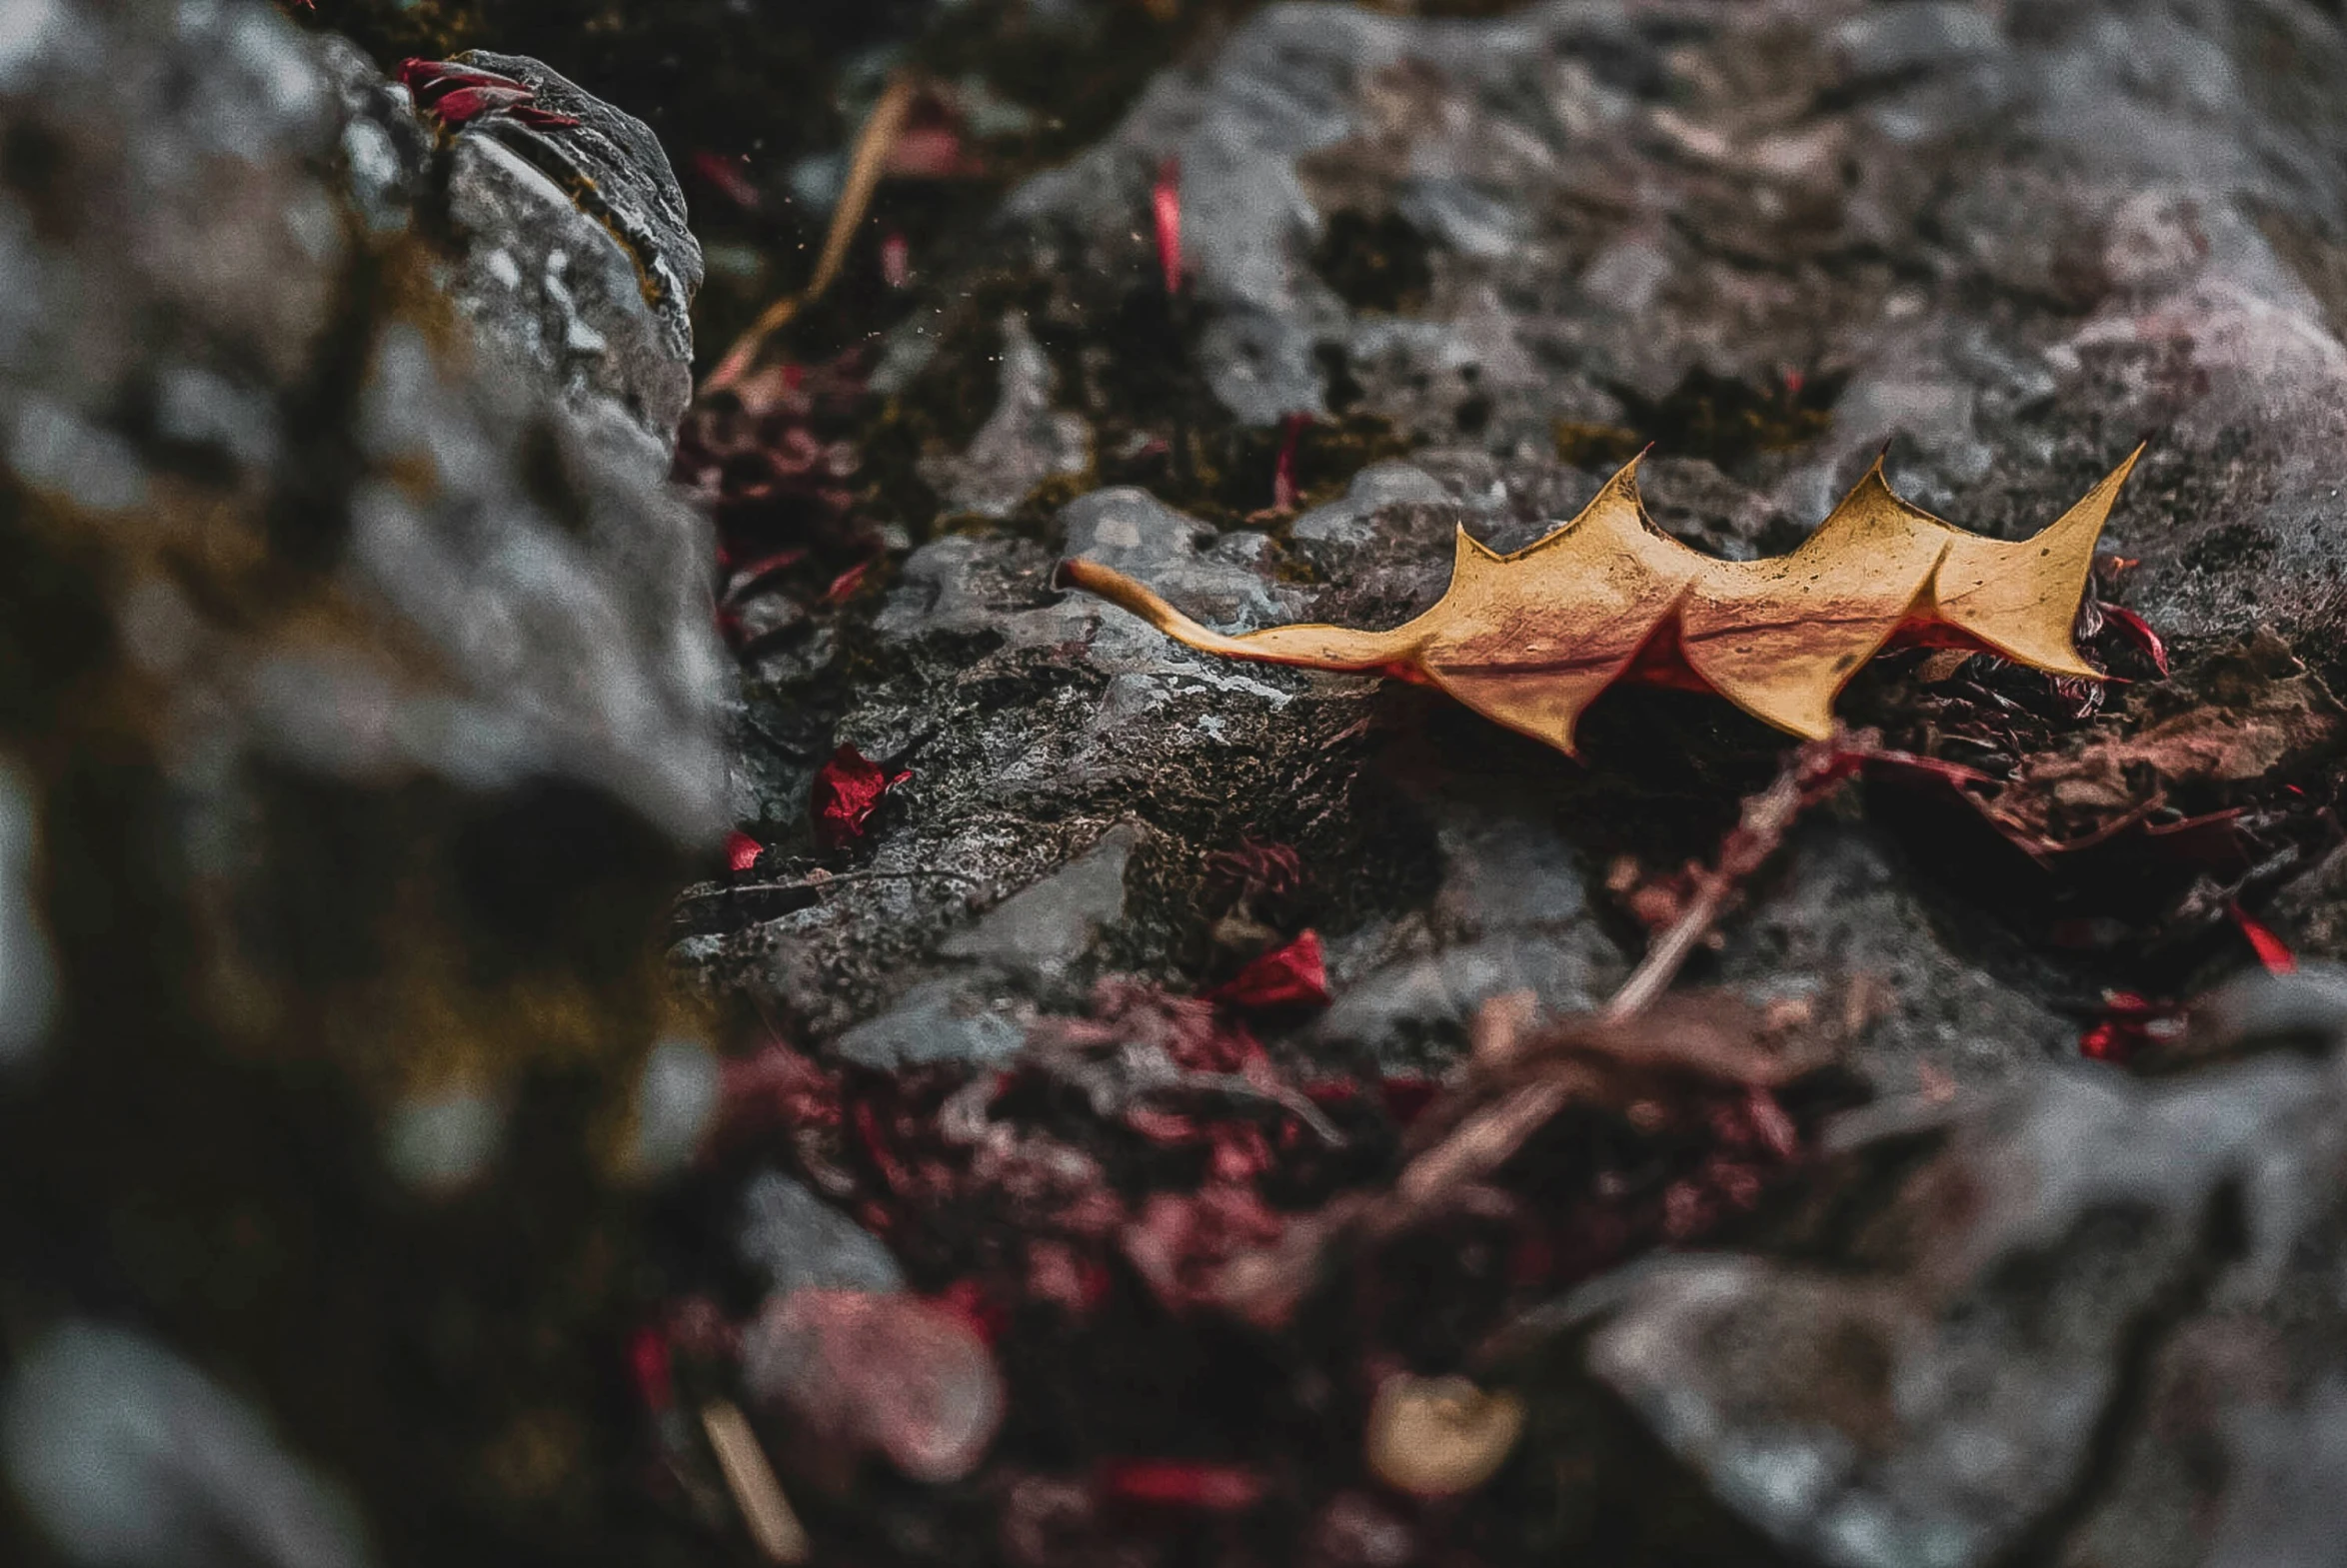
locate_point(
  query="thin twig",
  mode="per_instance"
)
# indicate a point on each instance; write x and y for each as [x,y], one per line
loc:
[765,1510]
[1809,776]
[817,883]
[865,165]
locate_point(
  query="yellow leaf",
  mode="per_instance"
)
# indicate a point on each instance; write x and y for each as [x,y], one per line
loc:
[1531,638]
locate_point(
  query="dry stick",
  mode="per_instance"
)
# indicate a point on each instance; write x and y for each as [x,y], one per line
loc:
[751,1479]
[1761,825]
[865,167]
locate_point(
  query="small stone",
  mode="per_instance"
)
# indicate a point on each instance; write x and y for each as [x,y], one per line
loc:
[883,1374]
[800,1242]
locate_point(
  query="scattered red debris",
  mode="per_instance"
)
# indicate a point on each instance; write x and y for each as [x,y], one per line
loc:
[1183,1483]
[848,789]
[847,583]
[648,1362]
[975,1305]
[1289,976]
[742,850]
[761,570]
[726,176]
[2137,630]
[2129,1024]
[456,94]
[1165,209]
[2271,950]
[776,1085]
[1284,494]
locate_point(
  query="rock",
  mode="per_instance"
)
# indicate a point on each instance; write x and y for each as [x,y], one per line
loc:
[943,1020]
[1943,1378]
[890,1376]
[357,721]
[1047,928]
[125,1454]
[1021,444]
[800,1242]
[575,246]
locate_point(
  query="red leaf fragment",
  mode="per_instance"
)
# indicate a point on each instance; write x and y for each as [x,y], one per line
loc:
[2137,630]
[2271,950]
[846,582]
[1289,976]
[1183,1483]
[742,850]
[2129,1023]
[648,1363]
[1165,209]
[458,105]
[848,789]
[1283,489]
[460,93]
[725,176]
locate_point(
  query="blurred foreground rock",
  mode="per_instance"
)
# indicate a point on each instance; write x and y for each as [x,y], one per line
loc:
[355,682]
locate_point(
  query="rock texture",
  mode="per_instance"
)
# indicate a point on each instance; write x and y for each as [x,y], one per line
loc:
[1448,273]
[356,698]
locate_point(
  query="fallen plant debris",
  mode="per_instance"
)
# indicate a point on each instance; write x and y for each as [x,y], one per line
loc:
[1145,1184]
[848,789]
[1531,638]
[457,94]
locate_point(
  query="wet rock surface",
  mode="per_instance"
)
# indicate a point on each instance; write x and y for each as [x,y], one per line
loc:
[1447,274]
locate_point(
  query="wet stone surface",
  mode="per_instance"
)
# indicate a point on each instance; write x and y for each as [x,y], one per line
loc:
[1462,269]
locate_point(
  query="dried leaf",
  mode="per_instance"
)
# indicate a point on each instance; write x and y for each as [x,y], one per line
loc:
[1530,639]
[1439,1436]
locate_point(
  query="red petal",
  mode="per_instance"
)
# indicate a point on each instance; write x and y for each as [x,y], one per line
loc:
[2271,950]
[420,76]
[2138,631]
[1165,208]
[846,582]
[848,789]
[460,104]
[895,261]
[1289,976]
[1183,1483]
[742,850]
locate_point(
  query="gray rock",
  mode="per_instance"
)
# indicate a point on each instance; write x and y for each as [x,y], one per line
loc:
[357,708]
[943,1020]
[1024,442]
[1940,1393]
[1044,930]
[800,1242]
[128,1457]
[575,246]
